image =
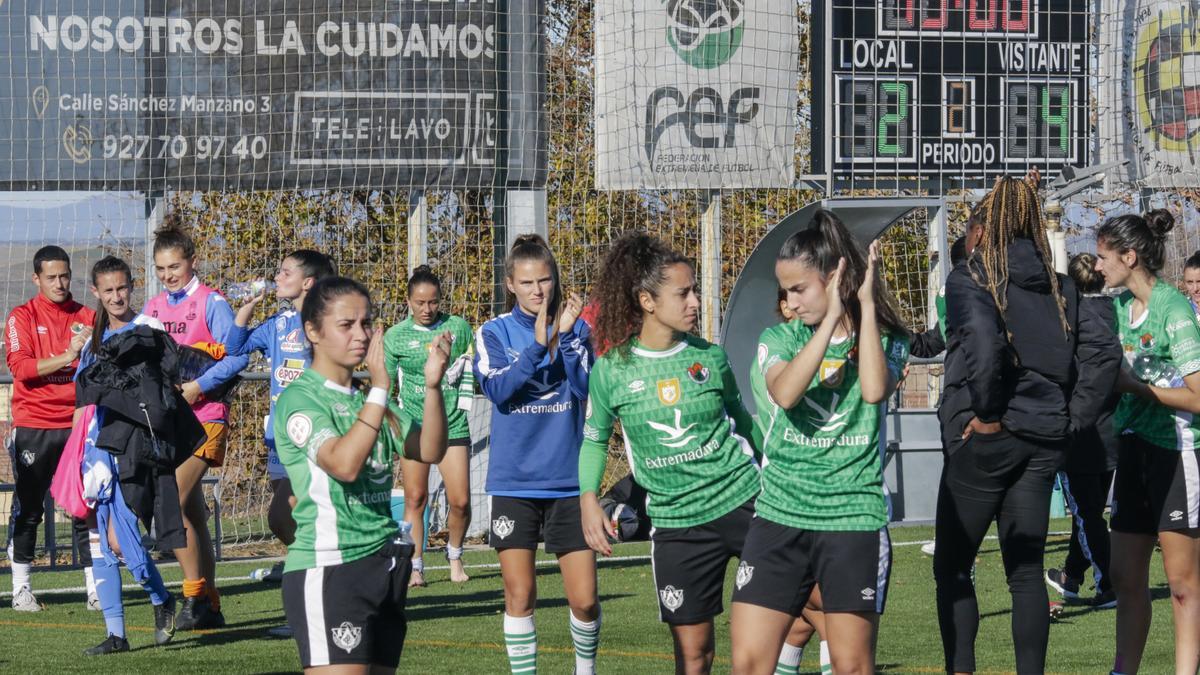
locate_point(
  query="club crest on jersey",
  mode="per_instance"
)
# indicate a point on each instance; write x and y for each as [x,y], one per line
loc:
[1147,341]
[503,526]
[293,342]
[698,373]
[672,598]
[347,636]
[832,373]
[744,574]
[669,392]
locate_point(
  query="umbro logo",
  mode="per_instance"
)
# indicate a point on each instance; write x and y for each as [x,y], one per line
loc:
[414,344]
[1177,515]
[868,593]
[637,386]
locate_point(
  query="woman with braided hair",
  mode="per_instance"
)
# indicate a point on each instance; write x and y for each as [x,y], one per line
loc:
[1024,369]
[688,436]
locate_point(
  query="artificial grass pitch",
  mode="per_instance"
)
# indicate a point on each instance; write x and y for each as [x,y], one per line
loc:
[457,628]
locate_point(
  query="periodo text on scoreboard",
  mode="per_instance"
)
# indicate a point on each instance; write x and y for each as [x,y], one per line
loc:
[953,90]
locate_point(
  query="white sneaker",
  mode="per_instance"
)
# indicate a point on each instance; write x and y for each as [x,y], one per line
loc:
[929,548]
[24,601]
[93,603]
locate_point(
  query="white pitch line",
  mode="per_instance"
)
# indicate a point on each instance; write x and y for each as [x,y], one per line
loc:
[478,566]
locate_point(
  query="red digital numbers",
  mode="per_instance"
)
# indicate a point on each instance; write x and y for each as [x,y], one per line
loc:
[957,16]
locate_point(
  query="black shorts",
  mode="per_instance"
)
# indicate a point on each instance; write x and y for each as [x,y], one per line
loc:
[152,494]
[518,522]
[1156,490]
[689,565]
[781,564]
[464,441]
[353,612]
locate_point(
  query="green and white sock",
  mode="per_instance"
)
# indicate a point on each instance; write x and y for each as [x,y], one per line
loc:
[826,662]
[789,660]
[520,638]
[586,636]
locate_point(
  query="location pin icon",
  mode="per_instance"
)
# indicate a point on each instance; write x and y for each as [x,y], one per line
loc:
[41,98]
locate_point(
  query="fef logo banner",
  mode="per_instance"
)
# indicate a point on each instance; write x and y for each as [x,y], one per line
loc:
[695,94]
[1150,95]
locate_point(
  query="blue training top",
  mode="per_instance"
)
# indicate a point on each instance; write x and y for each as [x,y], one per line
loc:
[281,339]
[538,406]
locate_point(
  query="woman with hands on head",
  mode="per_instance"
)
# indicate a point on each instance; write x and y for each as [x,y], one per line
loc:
[345,581]
[533,364]
[688,436]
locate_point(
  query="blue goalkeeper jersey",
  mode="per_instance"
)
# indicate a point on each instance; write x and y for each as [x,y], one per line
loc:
[281,340]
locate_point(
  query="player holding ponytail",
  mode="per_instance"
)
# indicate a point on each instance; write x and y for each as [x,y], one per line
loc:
[533,364]
[406,347]
[688,436]
[821,517]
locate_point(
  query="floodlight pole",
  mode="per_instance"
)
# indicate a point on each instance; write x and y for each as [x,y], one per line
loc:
[710,267]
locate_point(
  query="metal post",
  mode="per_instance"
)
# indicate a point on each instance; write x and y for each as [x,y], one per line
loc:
[526,211]
[154,217]
[937,280]
[710,267]
[418,230]
[1055,235]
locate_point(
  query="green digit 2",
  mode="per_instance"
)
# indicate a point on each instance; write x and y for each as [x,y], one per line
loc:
[895,119]
[1062,119]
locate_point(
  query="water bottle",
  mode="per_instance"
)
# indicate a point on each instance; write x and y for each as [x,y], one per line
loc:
[243,291]
[260,573]
[1168,377]
[1146,367]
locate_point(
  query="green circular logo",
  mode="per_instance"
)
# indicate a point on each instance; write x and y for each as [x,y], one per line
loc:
[705,33]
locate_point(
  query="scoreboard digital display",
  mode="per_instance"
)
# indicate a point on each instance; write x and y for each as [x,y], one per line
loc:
[948,93]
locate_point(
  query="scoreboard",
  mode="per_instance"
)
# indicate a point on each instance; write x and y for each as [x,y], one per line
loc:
[947,94]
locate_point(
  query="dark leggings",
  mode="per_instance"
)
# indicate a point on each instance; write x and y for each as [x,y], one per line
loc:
[35,454]
[1087,495]
[1007,479]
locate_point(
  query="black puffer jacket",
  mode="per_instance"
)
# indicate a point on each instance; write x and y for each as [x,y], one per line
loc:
[146,420]
[1094,449]
[1041,386]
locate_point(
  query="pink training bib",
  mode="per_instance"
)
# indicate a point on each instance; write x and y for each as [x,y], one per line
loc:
[186,323]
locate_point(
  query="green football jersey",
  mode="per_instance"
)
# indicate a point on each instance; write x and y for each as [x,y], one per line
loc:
[406,348]
[1161,347]
[336,522]
[687,434]
[821,459]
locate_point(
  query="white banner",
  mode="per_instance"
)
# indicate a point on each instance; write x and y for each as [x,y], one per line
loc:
[695,94]
[1150,92]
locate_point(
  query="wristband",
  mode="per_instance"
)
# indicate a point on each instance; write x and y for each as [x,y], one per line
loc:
[364,423]
[378,396]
